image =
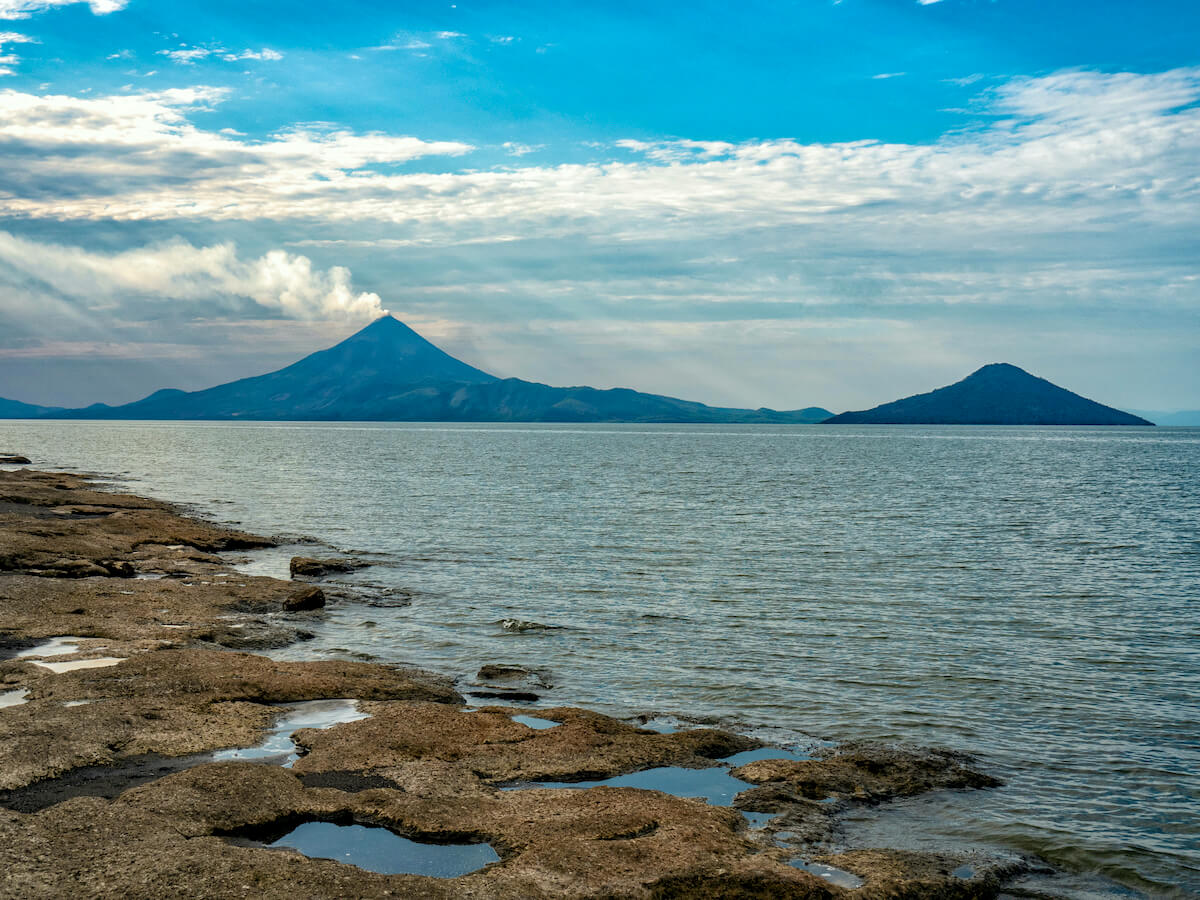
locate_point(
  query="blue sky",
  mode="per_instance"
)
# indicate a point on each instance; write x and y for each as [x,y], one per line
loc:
[780,204]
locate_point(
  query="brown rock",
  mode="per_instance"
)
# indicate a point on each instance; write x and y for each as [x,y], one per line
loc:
[871,772]
[308,567]
[14,460]
[304,599]
[493,747]
[176,703]
[168,839]
[902,874]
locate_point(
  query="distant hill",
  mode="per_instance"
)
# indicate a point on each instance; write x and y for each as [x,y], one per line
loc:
[15,409]
[388,372]
[997,394]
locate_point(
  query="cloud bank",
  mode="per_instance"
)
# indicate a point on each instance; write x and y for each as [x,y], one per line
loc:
[1052,152]
[1061,214]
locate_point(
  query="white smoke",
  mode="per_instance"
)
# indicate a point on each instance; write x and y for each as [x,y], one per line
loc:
[177,270]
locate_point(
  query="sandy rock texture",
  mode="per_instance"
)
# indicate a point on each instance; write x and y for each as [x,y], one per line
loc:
[604,842]
[175,703]
[107,788]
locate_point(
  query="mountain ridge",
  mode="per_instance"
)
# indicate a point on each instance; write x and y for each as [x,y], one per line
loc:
[388,372]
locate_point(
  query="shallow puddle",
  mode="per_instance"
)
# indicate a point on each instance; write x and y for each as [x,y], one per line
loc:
[715,785]
[305,714]
[100,662]
[535,722]
[13,698]
[839,877]
[661,725]
[59,646]
[757,820]
[380,850]
[749,756]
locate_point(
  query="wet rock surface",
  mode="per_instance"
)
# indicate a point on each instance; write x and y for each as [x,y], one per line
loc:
[308,567]
[493,748]
[175,703]
[107,788]
[865,772]
[304,599]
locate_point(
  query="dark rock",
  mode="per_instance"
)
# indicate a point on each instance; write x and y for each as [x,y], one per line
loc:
[15,460]
[520,626]
[867,772]
[508,676]
[494,672]
[350,782]
[308,567]
[304,599]
[97,781]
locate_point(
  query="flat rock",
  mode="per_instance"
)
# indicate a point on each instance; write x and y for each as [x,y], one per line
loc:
[171,838]
[865,771]
[176,703]
[489,744]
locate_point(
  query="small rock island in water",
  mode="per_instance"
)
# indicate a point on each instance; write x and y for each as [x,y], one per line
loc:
[133,723]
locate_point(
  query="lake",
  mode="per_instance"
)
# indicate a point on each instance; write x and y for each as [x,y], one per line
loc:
[1025,594]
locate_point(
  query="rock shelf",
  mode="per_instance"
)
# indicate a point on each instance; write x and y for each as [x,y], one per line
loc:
[123,671]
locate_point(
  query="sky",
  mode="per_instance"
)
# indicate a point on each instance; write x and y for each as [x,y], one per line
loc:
[780,204]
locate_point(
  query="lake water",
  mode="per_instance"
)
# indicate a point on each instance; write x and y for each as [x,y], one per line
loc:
[1026,594]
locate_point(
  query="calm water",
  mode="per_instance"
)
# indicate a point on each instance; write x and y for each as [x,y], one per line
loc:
[1028,595]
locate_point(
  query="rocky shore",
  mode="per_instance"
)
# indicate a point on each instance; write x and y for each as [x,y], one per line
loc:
[125,676]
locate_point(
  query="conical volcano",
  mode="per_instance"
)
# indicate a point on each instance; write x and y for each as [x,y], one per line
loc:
[346,381]
[389,373]
[997,394]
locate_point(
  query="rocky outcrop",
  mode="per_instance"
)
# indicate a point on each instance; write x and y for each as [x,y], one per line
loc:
[15,461]
[174,703]
[494,748]
[308,567]
[868,772]
[304,599]
[187,835]
[106,788]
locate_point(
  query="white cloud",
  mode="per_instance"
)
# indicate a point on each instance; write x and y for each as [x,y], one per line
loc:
[213,277]
[517,149]
[1076,191]
[189,55]
[448,35]
[11,59]
[129,146]
[264,55]
[23,9]
[885,75]
[1054,152]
